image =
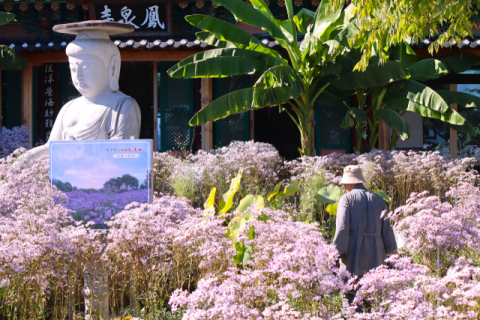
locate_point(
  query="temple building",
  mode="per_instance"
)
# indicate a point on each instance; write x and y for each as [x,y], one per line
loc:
[33,96]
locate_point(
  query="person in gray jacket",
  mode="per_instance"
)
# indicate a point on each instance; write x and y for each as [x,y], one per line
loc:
[363,235]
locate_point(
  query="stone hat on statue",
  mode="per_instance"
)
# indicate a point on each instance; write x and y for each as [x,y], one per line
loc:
[93,37]
[352,175]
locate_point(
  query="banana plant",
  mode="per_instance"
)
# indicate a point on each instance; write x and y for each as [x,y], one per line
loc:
[8,59]
[293,79]
[392,100]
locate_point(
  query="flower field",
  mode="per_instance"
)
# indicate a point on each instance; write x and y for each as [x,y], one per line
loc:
[260,251]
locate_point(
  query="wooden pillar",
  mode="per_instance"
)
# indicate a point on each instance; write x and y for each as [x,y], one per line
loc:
[252,126]
[207,129]
[155,106]
[453,133]
[1,99]
[27,100]
[383,136]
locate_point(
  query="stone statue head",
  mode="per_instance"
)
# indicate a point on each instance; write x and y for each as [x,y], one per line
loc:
[94,59]
[94,63]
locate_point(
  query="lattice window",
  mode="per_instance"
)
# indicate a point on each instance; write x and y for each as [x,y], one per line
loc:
[234,127]
[329,133]
[13,103]
[176,99]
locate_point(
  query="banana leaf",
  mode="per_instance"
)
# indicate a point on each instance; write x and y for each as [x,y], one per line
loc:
[329,99]
[281,76]
[220,67]
[241,101]
[301,19]
[209,63]
[10,61]
[462,98]
[245,13]
[323,21]
[6,17]
[393,120]
[460,62]
[347,34]
[213,40]
[404,53]
[358,115]
[450,116]
[374,75]
[234,102]
[223,30]
[419,93]
[427,69]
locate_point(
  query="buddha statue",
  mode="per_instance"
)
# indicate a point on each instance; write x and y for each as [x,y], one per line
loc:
[102,112]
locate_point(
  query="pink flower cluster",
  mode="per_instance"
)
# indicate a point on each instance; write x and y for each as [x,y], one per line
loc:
[195,176]
[150,249]
[291,276]
[405,290]
[41,250]
[438,233]
[398,173]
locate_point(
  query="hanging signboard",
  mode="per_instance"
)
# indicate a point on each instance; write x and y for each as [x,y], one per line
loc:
[152,18]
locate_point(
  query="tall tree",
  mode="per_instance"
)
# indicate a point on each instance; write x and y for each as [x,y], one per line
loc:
[382,24]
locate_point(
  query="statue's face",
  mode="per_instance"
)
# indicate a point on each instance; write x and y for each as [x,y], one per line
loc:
[89,75]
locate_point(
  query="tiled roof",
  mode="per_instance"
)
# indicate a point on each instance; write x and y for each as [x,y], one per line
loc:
[184,43]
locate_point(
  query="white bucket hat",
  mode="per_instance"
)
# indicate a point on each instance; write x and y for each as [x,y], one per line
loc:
[352,175]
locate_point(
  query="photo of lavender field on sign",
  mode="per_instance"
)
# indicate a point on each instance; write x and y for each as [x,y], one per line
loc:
[101,177]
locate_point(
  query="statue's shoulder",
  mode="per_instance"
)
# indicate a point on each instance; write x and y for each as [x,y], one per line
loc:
[126,103]
[69,104]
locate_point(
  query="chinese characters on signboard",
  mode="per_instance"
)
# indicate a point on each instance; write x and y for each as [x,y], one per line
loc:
[48,98]
[142,17]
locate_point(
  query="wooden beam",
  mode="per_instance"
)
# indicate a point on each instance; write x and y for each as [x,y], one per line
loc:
[383,136]
[27,100]
[453,133]
[207,129]
[38,59]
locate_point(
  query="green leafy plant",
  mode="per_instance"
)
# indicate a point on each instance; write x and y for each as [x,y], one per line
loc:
[392,100]
[330,196]
[277,198]
[310,207]
[227,199]
[237,223]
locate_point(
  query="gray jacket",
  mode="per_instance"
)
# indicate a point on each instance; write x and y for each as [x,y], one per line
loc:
[362,236]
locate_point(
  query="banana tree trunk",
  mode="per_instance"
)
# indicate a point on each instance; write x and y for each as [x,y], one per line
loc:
[306,132]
